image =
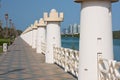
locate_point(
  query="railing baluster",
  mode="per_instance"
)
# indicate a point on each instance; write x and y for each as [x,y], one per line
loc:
[68,59]
[43,47]
[109,69]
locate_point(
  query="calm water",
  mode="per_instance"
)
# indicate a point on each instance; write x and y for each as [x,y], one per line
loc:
[73,43]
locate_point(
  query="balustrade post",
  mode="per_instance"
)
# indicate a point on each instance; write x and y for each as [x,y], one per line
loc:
[34,34]
[96,28]
[53,33]
[66,55]
[40,35]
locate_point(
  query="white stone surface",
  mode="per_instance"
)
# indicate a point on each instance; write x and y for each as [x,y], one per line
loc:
[34,34]
[53,39]
[95,37]
[34,38]
[27,35]
[40,38]
[41,34]
[30,38]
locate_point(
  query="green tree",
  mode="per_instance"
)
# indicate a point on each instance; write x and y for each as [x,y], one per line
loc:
[1,29]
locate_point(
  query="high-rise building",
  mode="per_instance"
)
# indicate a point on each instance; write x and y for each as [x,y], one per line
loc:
[70,29]
[65,31]
[78,28]
[75,29]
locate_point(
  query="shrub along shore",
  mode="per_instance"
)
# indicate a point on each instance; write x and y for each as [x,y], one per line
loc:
[8,41]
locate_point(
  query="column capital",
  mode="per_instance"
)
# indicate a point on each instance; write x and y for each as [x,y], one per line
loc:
[53,16]
[41,23]
[80,1]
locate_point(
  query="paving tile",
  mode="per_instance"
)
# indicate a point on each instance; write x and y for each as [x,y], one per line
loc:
[2,79]
[26,75]
[23,63]
[13,76]
[2,72]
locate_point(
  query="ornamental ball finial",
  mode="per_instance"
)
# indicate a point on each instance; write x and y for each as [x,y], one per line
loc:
[53,10]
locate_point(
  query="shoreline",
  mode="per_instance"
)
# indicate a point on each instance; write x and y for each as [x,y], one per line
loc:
[116,35]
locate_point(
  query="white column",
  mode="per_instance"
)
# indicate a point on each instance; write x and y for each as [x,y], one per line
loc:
[53,33]
[30,34]
[34,34]
[22,35]
[30,38]
[26,35]
[95,36]
[40,35]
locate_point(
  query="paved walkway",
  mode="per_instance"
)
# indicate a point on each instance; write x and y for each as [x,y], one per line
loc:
[22,63]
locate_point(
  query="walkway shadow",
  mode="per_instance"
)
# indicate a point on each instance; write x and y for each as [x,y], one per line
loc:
[15,70]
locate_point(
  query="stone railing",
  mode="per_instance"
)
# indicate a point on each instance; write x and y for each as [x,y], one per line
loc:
[43,47]
[67,59]
[108,69]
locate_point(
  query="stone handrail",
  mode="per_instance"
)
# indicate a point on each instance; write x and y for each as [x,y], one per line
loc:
[43,47]
[108,69]
[67,59]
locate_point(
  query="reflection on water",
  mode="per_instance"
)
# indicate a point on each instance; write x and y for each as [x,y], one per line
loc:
[69,42]
[73,43]
[116,48]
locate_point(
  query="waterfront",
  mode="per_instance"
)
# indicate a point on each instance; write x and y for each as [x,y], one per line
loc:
[73,43]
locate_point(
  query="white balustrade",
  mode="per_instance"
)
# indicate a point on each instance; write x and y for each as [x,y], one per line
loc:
[43,47]
[67,59]
[108,69]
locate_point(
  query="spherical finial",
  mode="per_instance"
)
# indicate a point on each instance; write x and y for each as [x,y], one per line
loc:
[41,19]
[35,22]
[31,25]
[53,10]
[53,16]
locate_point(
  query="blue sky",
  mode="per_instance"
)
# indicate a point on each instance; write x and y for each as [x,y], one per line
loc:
[25,12]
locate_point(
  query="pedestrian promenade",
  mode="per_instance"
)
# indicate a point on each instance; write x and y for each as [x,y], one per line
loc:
[21,62]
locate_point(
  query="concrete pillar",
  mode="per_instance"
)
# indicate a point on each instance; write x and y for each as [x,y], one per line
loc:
[95,36]
[34,34]
[26,35]
[40,35]
[30,35]
[23,35]
[53,33]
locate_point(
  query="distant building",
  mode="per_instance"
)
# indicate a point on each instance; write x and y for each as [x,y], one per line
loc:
[78,28]
[71,29]
[75,29]
[65,31]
